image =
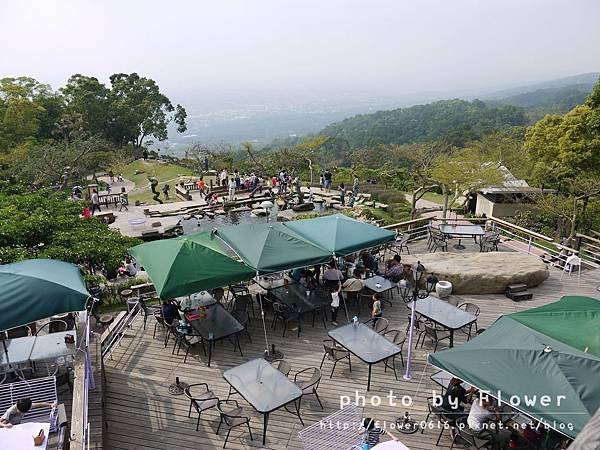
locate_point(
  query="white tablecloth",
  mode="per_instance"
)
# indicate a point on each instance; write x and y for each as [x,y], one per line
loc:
[21,436]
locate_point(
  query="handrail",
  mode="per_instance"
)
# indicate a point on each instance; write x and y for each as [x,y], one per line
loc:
[403,224]
[588,238]
[79,430]
[521,229]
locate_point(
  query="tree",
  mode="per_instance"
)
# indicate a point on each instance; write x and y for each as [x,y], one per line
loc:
[139,110]
[462,172]
[568,205]
[87,99]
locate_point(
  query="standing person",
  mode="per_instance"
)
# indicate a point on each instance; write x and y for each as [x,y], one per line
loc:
[355,185]
[336,296]
[236,176]
[328,180]
[342,189]
[224,177]
[111,175]
[124,198]
[372,433]
[95,202]
[321,181]
[232,189]
[165,190]
[310,193]
[206,163]
[108,188]
[376,310]
[202,187]
[350,202]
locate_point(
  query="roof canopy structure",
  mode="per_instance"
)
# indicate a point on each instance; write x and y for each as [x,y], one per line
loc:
[549,351]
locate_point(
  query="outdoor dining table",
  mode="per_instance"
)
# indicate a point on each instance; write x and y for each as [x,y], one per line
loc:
[461,231]
[444,314]
[364,343]
[380,285]
[21,436]
[265,388]
[218,324]
[295,296]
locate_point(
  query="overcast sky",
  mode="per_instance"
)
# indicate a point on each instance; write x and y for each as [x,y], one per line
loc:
[398,46]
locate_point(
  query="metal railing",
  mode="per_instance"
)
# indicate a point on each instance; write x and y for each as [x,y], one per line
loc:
[417,228]
[80,426]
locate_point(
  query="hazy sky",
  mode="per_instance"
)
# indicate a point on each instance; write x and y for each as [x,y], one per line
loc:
[327,45]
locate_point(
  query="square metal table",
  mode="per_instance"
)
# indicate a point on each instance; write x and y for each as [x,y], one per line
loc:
[364,343]
[264,387]
[461,231]
[444,314]
[53,346]
[379,284]
[294,296]
[218,324]
[16,351]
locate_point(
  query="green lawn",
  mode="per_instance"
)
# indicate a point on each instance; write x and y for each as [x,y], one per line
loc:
[162,171]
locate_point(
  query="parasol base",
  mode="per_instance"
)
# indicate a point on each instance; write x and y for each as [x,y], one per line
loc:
[178,388]
[273,356]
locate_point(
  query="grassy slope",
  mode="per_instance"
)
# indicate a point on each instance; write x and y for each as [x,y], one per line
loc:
[165,173]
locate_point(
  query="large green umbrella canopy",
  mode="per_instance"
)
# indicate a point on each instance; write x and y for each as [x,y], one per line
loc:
[188,264]
[341,234]
[38,288]
[572,320]
[515,360]
[270,248]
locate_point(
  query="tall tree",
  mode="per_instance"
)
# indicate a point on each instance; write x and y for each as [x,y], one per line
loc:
[87,98]
[139,110]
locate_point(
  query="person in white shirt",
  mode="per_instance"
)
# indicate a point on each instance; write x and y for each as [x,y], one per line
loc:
[481,412]
[95,202]
[232,186]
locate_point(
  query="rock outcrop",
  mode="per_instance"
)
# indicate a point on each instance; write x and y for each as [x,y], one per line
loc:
[482,273]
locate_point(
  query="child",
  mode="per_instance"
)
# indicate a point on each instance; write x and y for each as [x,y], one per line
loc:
[376,311]
[372,433]
[124,200]
[14,414]
[310,193]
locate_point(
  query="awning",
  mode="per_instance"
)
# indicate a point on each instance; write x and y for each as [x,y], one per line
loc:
[341,234]
[189,264]
[512,361]
[39,288]
[274,247]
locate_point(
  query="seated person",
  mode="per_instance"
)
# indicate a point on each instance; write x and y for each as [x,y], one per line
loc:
[296,274]
[332,273]
[455,398]
[481,412]
[394,269]
[169,312]
[130,268]
[372,432]
[369,261]
[354,283]
[15,413]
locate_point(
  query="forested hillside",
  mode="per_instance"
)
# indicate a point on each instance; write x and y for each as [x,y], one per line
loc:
[454,121]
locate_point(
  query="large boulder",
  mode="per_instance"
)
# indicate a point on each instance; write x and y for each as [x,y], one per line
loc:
[482,273]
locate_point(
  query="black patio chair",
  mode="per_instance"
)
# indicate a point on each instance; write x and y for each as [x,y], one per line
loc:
[237,289]
[243,302]
[436,335]
[477,439]
[309,384]
[471,308]
[189,341]
[232,416]
[419,328]
[218,294]
[398,338]
[401,243]
[285,314]
[444,422]
[18,332]
[157,314]
[489,242]
[243,319]
[379,324]
[283,366]
[334,352]
[200,399]
[438,241]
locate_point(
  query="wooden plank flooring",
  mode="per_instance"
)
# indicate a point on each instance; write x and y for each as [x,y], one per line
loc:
[141,414]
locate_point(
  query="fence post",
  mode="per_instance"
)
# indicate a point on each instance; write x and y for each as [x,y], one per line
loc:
[529,245]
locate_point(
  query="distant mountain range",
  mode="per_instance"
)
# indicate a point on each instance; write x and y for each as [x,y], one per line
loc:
[285,119]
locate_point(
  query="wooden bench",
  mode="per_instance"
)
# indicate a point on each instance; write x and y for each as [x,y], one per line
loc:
[39,390]
[105,216]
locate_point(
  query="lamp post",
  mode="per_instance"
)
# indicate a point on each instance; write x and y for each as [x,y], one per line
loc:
[267,205]
[410,293]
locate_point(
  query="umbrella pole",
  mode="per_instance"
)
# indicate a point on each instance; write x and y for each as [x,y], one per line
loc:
[262,314]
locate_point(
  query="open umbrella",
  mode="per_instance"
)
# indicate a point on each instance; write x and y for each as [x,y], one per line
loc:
[391,445]
[535,373]
[38,288]
[341,235]
[188,264]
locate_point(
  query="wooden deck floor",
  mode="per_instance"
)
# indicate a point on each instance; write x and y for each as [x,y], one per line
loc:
[141,414]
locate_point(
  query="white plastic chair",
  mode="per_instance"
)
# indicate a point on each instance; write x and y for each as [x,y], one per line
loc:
[572,262]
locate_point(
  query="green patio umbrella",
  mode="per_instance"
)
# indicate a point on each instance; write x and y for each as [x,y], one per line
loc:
[573,320]
[341,234]
[510,359]
[272,247]
[188,264]
[39,288]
